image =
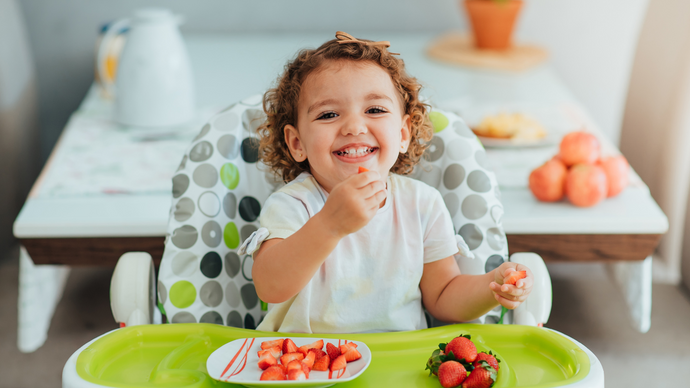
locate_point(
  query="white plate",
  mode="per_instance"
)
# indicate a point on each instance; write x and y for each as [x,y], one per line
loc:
[549,140]
[237,362]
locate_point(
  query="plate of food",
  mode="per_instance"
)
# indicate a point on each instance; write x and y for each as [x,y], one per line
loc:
[291,362]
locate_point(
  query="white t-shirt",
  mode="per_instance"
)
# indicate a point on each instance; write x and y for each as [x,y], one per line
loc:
[370,282]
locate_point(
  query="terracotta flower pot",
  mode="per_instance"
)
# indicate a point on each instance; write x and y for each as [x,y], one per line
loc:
[493,22]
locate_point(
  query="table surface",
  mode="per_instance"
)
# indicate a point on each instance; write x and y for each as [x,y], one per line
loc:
[231,67]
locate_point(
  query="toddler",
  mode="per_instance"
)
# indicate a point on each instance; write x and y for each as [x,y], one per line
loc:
[340,251]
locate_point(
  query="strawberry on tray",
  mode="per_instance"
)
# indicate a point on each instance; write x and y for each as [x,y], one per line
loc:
[457,363]
[288,361]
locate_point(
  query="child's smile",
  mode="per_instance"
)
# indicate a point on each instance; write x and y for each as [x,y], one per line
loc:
[349,115]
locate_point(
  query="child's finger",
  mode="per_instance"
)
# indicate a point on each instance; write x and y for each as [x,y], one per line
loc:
[372,188]
[509,304]
[365,178]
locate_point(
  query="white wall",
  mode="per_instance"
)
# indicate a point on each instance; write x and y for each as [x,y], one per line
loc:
[591,41]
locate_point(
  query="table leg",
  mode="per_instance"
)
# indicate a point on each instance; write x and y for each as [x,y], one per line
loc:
[634,279]
[40,290]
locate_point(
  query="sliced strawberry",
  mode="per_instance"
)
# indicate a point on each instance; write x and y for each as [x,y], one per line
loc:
[319,353]
[488,357]
[274,351]
[294,364]
[309,360]
[451,374]
[273,373]
[267,360]
[332,350]
[462,347]
[316,345]
[352,354]
[298,374]
[514,276]
[339,363]
[361,169]
[345,347]
[286,358]
[322,363]
[269,344]
[481,377]
[289,346]
[282,367]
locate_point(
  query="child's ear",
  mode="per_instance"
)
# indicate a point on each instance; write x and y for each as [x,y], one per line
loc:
[405,133]
[294,143]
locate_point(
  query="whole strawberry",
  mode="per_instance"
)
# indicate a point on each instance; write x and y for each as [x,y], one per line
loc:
[488,357]
[462,347]
[483,376]
[451,374]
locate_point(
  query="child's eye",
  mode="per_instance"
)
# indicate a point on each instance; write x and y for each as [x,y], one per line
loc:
[376,109]
[326,115]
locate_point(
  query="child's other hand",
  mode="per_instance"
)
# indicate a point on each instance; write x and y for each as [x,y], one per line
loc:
[353,202]
[508,295]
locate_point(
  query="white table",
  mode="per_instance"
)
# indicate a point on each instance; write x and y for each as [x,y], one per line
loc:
[60,225]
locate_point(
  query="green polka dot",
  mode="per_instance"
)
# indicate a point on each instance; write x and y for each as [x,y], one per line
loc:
[230,175]
[231,236]
[439,121]
[182,294]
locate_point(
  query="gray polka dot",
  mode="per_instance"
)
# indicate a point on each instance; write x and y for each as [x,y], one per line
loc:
[209,204]
[474,206]
[472,235]
[184,237]
[232,295]
[452,203]
[462,129]
[183,317]
[479,181]
[497,213]
[495,238]
[184,208]
[232,264]
[162,293]
[490,320]
[203,132]
[252,119]
[493,262]
[211,317]
[228,146]
[183,163]
[201,151]
[180,185]
[226,122]
[253,100]
[247,263]
[429,174]
[435,149]
[453,176]
[205,175]
[480,157]
[211,265]
[211,293]
[235,320]
[249,322]
[230,205]
[459,149]
[184,264]
[247,231]
[211,234]
[249,297]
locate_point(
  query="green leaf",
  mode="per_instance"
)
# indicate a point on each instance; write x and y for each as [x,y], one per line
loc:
[442,346]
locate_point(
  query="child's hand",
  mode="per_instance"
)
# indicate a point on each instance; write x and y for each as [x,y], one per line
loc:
[508,295]
[353,202]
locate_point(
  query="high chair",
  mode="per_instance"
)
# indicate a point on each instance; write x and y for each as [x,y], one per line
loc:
[218,191]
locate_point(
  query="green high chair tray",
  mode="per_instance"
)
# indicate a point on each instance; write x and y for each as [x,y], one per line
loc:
[174,355]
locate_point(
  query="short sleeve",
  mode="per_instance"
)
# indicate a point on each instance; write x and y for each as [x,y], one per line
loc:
[439,234]
[283,215]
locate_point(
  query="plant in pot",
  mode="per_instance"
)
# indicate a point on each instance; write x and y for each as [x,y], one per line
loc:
[493,22]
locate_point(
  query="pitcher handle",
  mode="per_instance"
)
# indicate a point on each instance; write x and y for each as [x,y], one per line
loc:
[112,31]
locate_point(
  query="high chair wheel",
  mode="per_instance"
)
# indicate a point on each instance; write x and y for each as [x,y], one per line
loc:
[132,289]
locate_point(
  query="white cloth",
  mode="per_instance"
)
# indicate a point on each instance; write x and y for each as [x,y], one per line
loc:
[370,282]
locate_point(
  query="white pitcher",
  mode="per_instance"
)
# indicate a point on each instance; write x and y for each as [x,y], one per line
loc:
[154,85]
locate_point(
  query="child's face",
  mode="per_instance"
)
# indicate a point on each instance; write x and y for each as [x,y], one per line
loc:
[349,115]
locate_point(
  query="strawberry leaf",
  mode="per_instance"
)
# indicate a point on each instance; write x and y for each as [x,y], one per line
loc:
[442,346]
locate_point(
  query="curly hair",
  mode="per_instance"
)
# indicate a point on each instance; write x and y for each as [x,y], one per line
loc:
[280,104]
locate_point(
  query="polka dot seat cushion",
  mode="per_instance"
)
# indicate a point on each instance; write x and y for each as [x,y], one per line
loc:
[220,187]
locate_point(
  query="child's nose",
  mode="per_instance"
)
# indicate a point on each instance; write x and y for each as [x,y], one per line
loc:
[354,126]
